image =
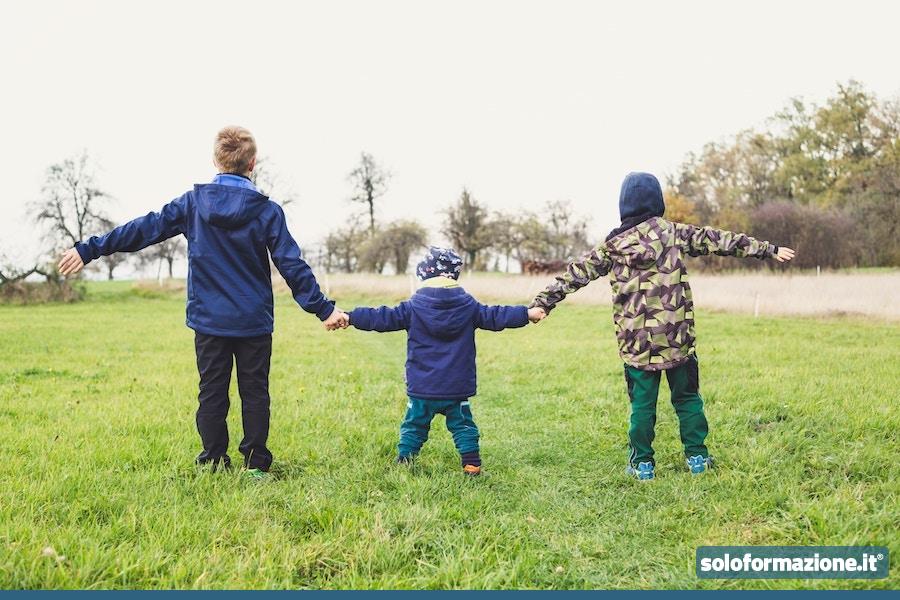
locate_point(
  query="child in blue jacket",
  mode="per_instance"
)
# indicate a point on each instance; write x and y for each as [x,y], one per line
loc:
[231,231]
[440,320]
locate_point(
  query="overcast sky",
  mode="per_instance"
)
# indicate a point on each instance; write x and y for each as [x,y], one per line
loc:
[521,102]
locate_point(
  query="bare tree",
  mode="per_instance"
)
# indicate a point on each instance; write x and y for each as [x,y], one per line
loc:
[167,251]
[369,182]
[12,272]
[402,238]
[506,235]
[373,254]
[10,275]
[467,227]
[269,183]
[566,232]
[15,287]
[113,261]
[342,247]
[71,203]
[532,239]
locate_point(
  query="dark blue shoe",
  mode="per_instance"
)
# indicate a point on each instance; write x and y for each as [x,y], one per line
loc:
[699,464]
[644,471]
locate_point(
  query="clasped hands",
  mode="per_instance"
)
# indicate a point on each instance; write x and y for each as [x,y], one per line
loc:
[337,320]
[536,314]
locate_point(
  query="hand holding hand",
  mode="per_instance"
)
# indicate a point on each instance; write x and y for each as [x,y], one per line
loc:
[70,263]
[536,314]
[784,254]
[338,320]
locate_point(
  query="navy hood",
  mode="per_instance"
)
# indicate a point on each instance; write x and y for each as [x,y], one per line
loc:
[227,206]
[445,313]
[641,196]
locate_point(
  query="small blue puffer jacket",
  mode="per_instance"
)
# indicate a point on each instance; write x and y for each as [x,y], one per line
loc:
[440,325]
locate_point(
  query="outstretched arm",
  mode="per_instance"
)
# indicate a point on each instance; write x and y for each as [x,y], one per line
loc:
[498,318]
[130,237]
[579,273]
[700,241]
[297,273]
[383,318]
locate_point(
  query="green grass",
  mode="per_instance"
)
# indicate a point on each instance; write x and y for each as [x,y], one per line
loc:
[98,438]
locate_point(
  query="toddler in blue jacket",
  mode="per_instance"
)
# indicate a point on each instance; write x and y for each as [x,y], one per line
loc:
[440,320]
[231,230]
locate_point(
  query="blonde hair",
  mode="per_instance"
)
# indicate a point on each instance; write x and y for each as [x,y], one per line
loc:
[234,149]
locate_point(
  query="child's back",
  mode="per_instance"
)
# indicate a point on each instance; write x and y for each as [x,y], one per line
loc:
[440,324]
[653,310]
[231,230]
[652,301]
[440,320]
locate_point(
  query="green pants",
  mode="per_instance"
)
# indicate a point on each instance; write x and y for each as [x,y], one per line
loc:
[417,423]
[643,388]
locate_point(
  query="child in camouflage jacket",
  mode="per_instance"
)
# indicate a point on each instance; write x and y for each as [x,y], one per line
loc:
[653,311]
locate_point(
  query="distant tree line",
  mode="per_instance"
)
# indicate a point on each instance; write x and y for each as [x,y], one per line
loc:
[72,207]
[487,240]
[824,179]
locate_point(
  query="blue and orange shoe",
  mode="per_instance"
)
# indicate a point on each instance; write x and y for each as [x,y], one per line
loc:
[643,472]
[471,470]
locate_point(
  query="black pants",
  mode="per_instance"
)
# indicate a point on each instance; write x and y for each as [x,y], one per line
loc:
[214,360]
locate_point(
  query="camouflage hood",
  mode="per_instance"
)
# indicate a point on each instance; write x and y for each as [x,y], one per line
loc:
[653,309]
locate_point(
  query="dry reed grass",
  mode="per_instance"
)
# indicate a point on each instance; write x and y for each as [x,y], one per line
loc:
[873,294]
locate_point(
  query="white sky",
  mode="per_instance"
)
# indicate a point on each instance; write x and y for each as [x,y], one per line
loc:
[523,102]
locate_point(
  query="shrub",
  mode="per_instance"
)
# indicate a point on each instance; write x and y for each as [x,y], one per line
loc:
[822,237]
[31,292]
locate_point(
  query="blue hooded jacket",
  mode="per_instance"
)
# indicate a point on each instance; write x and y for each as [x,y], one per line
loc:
[231,230]
[440,347]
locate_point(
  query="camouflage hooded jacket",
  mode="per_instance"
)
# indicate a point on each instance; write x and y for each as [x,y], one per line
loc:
[652,306]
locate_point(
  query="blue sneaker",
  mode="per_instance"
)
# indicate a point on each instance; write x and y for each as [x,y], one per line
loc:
[643,472]
[698,464]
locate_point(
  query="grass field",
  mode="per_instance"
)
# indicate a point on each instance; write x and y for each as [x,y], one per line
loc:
[98,490]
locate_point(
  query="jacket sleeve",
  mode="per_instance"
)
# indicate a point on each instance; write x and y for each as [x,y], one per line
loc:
[700,241]
[296,272]
[139,233]
[383,318]
[578,274]
[498,318]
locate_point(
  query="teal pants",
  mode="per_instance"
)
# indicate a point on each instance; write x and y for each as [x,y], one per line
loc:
[643,389]
[419,414]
